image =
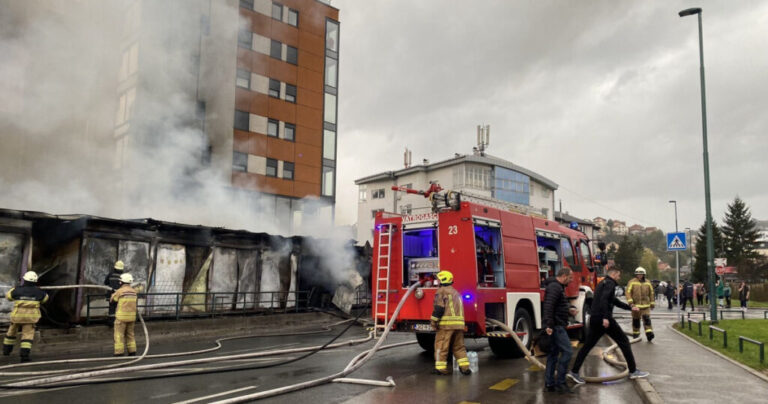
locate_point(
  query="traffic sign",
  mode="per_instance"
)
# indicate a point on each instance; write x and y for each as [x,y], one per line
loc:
[720,270]
[676,242]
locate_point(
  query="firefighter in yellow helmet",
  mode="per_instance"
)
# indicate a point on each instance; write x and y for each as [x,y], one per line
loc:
[113,281]
[27,299]
[448,319]
[640,295]
[125,316]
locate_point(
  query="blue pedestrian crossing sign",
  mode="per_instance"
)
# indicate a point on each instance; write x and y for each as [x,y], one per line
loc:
[676,242]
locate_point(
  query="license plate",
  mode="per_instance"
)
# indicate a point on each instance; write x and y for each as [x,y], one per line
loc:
[422,327]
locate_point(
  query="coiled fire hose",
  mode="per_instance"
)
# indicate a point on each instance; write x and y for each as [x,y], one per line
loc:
[589,379]
[353,365]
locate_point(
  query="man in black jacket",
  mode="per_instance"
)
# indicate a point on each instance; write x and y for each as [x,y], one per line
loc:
[113,281]
[602,323]
[555,319]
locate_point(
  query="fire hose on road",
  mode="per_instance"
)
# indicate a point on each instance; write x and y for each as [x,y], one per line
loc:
[590,379]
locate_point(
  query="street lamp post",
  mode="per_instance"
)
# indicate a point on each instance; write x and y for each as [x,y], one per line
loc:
[677,266]
[707,201]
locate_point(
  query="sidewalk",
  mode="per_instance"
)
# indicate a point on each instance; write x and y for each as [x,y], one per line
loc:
[684,372]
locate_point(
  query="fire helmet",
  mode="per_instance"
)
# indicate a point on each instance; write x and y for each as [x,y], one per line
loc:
[445,277]
[119,265]
[640,271]
[30,276]
[126,278]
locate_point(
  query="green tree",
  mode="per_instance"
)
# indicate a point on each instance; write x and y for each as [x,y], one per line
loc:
[740,234]
[700,266]
[628,256]
[650,262]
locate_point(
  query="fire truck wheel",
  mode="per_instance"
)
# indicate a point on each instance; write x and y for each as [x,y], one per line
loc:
[506,347]
[426,341]
[585,316]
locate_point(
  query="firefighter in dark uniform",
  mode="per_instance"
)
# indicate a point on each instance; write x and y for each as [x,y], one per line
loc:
[113,281]
[448,319]
[27,299]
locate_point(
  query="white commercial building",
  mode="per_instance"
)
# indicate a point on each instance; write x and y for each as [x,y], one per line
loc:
[479,175]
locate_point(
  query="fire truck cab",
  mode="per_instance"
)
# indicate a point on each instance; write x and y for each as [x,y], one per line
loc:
[499,260]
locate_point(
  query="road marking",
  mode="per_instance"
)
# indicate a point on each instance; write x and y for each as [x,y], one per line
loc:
[194,400]
[468,402]
[504,384]
[534,368]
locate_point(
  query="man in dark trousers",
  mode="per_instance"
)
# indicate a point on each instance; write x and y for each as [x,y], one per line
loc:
[688,294]
[602,323]
[555,319]
[670,293]
[113,281]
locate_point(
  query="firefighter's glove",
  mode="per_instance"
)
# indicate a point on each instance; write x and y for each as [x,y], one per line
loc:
[433,324]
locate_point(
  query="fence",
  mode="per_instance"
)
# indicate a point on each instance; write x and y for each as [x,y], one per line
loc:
[750,340]
[203,304]
[720,330]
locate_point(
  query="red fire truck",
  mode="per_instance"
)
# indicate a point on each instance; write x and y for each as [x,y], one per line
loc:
[499,259]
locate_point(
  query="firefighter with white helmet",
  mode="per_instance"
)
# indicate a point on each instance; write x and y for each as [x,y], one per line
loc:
[113,281]
[640,295]
[27,299]
[448,319]
[125,316]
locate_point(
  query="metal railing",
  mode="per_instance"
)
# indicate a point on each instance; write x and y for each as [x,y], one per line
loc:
[750,340]
[732,311]
[202,304]
[720,330]
[702,313]
[697,322]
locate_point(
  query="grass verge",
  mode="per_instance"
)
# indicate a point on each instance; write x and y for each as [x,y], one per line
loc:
[756,329]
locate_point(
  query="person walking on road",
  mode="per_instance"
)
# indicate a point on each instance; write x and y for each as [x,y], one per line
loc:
[125,316]
[670,292]
[26,299]
[720,291]
[555,318]
[743,295]
[640,296]
[448,319]
[113,281]
[601,323]
[727,295]
[688,294]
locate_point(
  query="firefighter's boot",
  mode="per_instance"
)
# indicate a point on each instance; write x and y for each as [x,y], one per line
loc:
[25,355]
[7,349]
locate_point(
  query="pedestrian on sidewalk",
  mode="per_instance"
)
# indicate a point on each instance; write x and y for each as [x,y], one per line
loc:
[602,322]
[113,281]
[688,294]
[700,293]
[669,293]
[125,316]
[448,319]
[556,310]
[640,296]
[26,299]
[727,295]
[720,291]
[743,295]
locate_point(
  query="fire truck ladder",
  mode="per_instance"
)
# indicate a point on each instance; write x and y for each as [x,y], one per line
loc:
[381,302]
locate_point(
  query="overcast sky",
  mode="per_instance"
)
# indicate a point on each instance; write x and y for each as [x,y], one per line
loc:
[601,97]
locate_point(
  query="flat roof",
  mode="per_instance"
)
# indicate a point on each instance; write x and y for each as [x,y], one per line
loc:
[479,159]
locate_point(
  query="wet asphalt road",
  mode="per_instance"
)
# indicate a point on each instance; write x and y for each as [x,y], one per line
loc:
[498,381]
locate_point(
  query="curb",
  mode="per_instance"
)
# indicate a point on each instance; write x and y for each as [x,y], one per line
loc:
[647,392]
[745,367]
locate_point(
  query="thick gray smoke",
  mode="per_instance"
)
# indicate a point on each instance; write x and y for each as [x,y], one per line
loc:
[63,69]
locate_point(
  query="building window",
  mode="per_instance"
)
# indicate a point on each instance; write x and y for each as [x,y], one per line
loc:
[292,56]
[290,132]
[332,36]
[378,193]
[276,49]
[363,194]
[290,93]
[243,78]
[330,108]
[274,88]
[406,209]
[241,120]
[293,17]
[271,168]
[327,181]
[287,170]
[272,127]
[331,72]
[244,39]
[329,144]
[277,11]
[246,4]
[239,161]
[374,212]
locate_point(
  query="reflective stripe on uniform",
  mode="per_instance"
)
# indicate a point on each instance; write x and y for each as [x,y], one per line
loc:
[25,343]
[441,365]
[433,318]
[463,362]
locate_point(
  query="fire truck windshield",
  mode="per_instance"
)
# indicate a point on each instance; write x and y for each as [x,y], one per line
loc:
[490,262]
[420,256]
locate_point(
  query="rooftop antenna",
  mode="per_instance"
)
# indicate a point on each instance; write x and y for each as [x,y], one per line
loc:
[407,158]
[483,138]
